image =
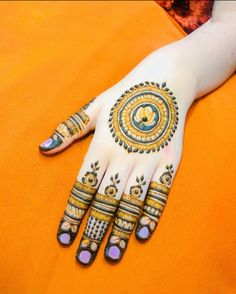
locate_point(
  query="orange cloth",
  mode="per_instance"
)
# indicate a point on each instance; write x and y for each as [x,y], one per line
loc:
[54,57]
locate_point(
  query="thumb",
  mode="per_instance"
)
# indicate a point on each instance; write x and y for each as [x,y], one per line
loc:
[76,126]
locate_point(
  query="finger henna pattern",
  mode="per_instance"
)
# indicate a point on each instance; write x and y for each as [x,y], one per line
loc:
[102,211]
[144,118]
[154,205]
[75,124]
[111,190]
[126,216]
[137,189]
[80,199]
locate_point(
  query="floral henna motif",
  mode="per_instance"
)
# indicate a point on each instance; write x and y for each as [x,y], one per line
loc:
[90,178]
[111,190]
[144,118]
[166,177]
[102,210]
[80,199]
[137,190]
[154,204]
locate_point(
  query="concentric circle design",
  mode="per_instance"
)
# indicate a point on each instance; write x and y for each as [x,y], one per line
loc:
[144,118]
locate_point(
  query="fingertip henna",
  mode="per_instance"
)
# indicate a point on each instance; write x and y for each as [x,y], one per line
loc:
[51,143]
[66,132]
[79,201]
[126,216]
[154,205]
[102,211]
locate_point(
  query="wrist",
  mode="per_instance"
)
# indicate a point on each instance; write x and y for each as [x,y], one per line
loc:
[165,65]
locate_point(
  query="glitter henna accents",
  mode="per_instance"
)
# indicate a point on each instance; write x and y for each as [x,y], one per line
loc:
[144,118]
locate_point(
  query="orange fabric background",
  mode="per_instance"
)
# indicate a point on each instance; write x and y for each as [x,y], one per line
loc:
[55,56]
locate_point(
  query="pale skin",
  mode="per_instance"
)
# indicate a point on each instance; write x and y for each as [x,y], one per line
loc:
[191,68]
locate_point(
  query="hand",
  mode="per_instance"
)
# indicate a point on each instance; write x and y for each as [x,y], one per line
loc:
[135,152]
[130,165]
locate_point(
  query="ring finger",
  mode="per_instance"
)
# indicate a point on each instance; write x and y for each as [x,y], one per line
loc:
[155,201]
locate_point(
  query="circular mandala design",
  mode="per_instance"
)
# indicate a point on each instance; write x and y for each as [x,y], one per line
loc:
[144,118]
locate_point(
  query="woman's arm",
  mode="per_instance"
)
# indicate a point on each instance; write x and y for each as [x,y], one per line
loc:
[204,59]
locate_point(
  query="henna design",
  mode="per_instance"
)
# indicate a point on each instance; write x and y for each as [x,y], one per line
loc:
[80,199]
[166,177]
[144,118]
[137,190]
[102,210]
[154,205]
[75,124]
[126,216]
[90,178]
[111,190]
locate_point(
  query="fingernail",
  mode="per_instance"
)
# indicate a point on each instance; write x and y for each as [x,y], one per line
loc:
[64,239]
[51,143]
[145,228]
[142,233]
[113,253]
[84,257]
[115,249]
[87,251]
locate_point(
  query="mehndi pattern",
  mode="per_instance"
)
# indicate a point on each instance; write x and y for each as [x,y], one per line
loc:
[79,200]
[144,118]
[125,220]
[154,204]
[76,123]
[102,211]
